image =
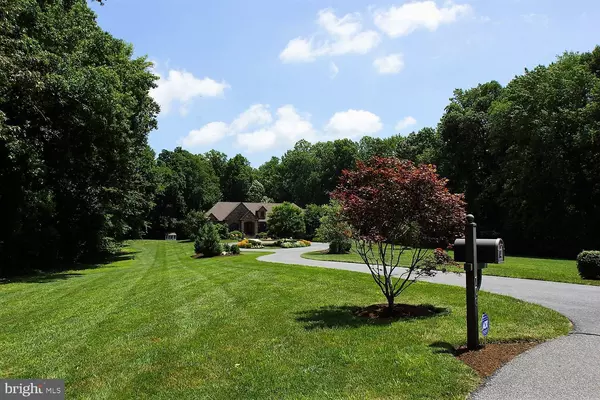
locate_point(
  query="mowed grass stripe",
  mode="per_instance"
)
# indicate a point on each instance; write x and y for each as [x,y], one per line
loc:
[166,325]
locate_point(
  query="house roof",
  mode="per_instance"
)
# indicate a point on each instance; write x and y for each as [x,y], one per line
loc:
[223,208]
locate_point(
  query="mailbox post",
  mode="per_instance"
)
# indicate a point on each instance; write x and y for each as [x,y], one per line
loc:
[471,272]
[476,254]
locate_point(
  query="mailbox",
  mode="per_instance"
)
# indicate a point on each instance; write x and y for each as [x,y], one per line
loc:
[489,251]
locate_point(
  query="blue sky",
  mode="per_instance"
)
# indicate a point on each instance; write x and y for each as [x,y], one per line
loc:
[253,77]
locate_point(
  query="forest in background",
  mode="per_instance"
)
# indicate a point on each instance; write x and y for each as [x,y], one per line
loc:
[77,175]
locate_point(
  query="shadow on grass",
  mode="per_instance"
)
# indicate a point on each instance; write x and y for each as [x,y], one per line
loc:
[57,274]
[443,348]
[354,317]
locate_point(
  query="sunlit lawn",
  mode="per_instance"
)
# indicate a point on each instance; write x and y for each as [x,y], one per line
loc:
[165,325]
[516,267]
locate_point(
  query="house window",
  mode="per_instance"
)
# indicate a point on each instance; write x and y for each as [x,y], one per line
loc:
[260,214]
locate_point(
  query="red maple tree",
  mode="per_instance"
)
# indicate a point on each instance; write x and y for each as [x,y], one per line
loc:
[392,206]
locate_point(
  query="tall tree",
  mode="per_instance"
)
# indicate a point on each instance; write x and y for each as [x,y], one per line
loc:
[300,174]
[464,134]
[237,178]
[422,147]
[269,175]
[74,118]
[545,138]
[256,192]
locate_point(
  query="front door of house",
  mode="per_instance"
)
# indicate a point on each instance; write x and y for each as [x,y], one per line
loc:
[249,228]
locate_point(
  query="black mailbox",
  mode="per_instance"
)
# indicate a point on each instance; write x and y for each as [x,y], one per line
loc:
[490,251]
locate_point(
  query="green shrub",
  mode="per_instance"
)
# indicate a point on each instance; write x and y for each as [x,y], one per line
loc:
[262,235]
[223,231]
[286,220]
[588,264]
[226,247]
[340,247]
[208,242]
[236,235]
[235,250]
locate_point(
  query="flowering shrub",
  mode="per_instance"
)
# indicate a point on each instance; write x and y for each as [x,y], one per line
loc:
[244,244]
[250,244]
[441,257]
[292,243]
[236,235]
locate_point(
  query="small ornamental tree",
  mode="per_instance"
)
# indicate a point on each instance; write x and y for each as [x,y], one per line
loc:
[393,205]
[208,242]
[285,221]
[334,229]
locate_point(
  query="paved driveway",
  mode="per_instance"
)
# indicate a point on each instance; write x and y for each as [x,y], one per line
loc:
[564,368]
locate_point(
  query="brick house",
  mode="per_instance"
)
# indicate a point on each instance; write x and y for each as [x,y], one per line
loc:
[249,218]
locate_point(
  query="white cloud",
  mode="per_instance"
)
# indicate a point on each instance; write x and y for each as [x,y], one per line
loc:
[263,139]
[405,19]
[536,19]
[333,70]
[298,50]
[282,130]
[181,87]
[391,64]
[343,35]
[288,127]
[208,134]
[257,114]
[405,123]
[352,124]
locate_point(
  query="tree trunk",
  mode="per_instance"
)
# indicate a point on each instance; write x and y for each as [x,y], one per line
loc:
[390,309]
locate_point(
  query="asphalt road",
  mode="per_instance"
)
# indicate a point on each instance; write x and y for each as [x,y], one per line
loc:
[564,368]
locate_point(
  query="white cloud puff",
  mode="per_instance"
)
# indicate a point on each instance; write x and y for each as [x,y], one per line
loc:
[339,35]
[180,87]
[352,124]
[405,123]
[391,64]
[403,20]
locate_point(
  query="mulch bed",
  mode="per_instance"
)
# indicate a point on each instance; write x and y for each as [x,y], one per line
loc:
[491,357]
[400,311]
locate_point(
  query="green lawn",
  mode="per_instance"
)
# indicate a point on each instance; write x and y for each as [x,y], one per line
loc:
[515,267]
[165,325]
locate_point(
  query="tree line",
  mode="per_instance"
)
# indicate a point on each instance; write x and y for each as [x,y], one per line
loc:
[77,175]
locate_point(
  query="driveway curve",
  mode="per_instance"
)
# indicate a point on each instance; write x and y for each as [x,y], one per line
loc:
[564,368]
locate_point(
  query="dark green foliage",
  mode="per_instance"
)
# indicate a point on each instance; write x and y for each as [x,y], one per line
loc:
[226,247]
[588,264]
[237,179]
[340,246]
[527,156]
[236,235]
[256,192]
[285,221]
[208,242]
[262,235]
[187,183]
[75,171]
[235,249]
[312,219]
[189,227]
[223,231]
